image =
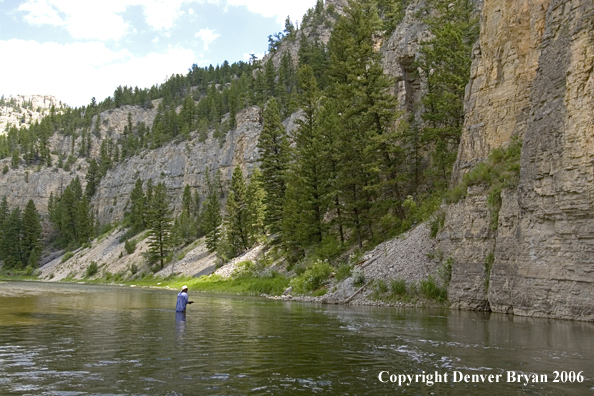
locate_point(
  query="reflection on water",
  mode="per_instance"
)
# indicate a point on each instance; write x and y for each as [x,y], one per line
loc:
[58,339]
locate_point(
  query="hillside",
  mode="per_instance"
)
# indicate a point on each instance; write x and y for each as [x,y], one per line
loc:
[25,109]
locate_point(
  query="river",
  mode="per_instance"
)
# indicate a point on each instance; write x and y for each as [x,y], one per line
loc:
[76,339]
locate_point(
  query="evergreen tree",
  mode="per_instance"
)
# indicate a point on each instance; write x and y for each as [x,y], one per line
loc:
[187,200]
[93,178]
[31,235]
[160,225]
[236,216]
[84,220]
[307,185]
[368,165]
[138,208]
[274,157]
[211,213]
[4,213]
[256,209]
[445,64]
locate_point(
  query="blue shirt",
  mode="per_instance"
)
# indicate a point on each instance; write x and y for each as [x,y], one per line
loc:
[182,301]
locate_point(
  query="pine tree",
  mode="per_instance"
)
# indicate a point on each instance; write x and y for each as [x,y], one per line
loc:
[445,64]
[4,213]
[31,235]
[307,184]
[236,217]
[274,157]
[160,225]
[256,209]
[365,141]
[211,213]
[187,200]
[137,208]
[84,220]
[93,178]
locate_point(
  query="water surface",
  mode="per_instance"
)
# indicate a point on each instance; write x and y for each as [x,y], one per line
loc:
[71,339]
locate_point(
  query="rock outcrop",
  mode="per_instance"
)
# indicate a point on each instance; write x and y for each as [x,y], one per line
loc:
[181,164]
[532,77]
[26,109]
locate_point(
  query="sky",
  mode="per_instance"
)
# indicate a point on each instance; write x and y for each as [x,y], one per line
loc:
[79,49]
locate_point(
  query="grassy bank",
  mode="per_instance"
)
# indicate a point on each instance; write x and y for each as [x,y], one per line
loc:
[247,285]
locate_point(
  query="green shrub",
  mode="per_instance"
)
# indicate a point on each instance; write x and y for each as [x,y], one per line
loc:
[500,170]
[313,277]
[5,169]
[67,256]
[245,269]
[380,288]
[133,269]
[343,272]
[130,246]
[398,287]
[92,269]
[437,223]
[429,289]
[358,277]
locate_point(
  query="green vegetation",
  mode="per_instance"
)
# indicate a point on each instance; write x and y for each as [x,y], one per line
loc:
[398,291]
[500,171]
[91,269]
[20,236]
[312,278]
[71,215]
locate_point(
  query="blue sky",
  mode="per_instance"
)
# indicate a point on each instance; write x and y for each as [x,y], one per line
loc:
[77,49]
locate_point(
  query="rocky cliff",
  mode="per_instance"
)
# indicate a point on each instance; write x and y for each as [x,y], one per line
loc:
[181,164]
[532,77]
[26,109]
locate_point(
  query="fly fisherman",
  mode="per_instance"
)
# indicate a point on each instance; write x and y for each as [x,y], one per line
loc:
[182,300]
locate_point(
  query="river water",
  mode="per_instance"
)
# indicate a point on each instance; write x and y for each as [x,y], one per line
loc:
[74,339]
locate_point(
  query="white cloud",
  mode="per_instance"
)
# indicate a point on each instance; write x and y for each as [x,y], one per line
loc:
[41,13]
[74,73]
[83,19]
[100,20]
[207,36]
[103,20]
[275,8]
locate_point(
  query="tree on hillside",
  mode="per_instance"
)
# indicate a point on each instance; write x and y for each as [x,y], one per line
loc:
[211,213]
[31,235]
[274,156]
[256,209]
[236,220]
[361,89]
[445,64]
[93,178]
[306,197]
[138,208]
[159,225]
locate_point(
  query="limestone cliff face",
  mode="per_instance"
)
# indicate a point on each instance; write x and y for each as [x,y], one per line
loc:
[532,77]
[504,67]
[181,164]
[25,183]
[26,109]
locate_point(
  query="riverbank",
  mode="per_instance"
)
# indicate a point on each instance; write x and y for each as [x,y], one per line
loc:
[388,275]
